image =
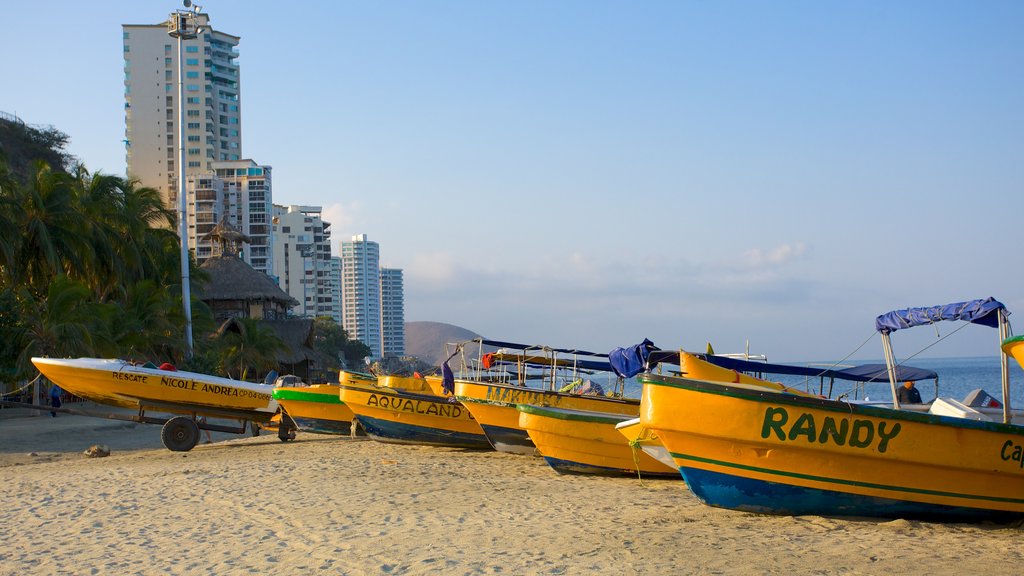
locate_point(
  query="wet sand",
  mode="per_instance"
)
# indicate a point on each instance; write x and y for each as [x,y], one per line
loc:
[332,505]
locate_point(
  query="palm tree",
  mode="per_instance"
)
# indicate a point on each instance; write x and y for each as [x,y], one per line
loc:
[66,323]
[53,239]
[9,209]
[253,346]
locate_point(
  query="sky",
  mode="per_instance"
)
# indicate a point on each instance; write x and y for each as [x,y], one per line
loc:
[586,174]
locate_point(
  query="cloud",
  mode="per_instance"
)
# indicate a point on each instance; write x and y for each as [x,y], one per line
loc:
[341,217]
[775,256]
[433,271]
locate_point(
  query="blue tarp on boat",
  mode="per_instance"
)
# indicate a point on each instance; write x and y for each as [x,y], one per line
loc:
[627,362]
[975,311]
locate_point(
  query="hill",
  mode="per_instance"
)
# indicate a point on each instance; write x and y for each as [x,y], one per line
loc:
[426,340]
[21,145]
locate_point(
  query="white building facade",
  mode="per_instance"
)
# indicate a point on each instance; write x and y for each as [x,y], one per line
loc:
[373,302]
[302,260]
[360,291]
[213,130]
[335,285]
[241,192]
[392,312]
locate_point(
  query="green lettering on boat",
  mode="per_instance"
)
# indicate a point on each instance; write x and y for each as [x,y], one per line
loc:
[804,426]
[774,419]
[884,437]
[838,435]
[859,426]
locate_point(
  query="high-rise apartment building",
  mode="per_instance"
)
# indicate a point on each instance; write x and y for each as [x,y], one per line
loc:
[392,312]
[241,192]
[335,285]
[360,291]
[302,259]
[373,304]
[213,130]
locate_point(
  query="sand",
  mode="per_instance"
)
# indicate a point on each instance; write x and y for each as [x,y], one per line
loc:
[331,505]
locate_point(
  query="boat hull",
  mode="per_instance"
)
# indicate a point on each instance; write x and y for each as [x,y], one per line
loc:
[767,452]
[583,442]
[406,411]
[317,408]
[120,383]
[493,405]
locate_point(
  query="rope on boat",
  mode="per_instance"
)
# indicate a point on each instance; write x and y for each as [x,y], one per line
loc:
[31,382]
[634,445]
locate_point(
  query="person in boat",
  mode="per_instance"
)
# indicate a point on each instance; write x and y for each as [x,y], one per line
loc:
[908,394]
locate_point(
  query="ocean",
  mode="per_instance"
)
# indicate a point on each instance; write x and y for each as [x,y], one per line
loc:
[957,378]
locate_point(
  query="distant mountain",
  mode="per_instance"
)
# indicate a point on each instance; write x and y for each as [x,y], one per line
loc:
[426,340]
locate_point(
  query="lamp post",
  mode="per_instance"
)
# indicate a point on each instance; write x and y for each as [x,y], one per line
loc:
[183,26]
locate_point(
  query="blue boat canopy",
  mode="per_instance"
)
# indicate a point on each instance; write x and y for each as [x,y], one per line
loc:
[982,312]
[627,362]
[501,344]
[878,373]
[864,373]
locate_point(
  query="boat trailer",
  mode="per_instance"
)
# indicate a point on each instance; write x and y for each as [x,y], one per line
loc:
[180,433]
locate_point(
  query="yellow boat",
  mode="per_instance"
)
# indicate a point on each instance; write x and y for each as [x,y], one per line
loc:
[770,451]
[315,408]
[587,442]
[522,374]
[493,406]
[122,383]
[405,410]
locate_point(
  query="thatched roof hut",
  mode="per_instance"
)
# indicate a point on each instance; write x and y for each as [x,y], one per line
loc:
[236,290]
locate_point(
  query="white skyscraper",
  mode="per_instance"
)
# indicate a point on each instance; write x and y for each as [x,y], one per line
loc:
[373,302]
[302,259]
[335,286]
[242,193]
[360,289]
[392,312]
[212,103]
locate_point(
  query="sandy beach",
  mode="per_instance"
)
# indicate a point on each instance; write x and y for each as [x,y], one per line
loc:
[331,505]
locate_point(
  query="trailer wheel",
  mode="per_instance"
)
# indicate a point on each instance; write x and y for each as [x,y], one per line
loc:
[254,428]
[180,434]
[285,429]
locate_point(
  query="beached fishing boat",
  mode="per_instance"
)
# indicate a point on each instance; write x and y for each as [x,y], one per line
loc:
[315,408]
[405,410]
[587,442]
[492,384]
[771,451]
[736,370]
[148,388]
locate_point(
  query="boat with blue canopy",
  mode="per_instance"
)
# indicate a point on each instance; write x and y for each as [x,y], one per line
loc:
[771,451]
[491,377]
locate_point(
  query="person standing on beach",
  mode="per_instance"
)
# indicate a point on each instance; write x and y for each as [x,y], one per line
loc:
[55,393]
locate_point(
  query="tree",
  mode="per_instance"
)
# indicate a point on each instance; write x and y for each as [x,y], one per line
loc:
[253,346]
[355,351]
[52,239]
[330,340]
[66,323]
